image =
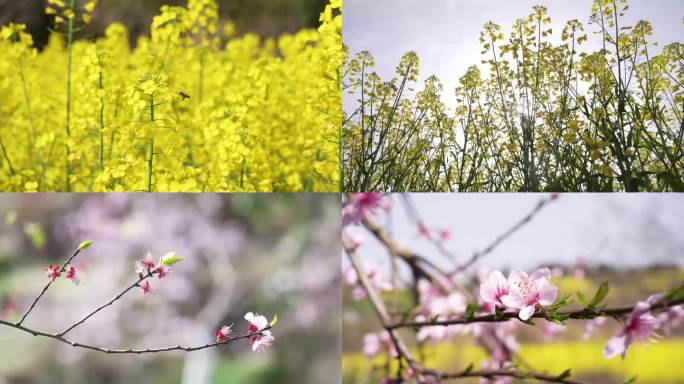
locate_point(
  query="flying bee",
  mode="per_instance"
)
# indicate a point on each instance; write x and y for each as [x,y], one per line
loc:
[183,95]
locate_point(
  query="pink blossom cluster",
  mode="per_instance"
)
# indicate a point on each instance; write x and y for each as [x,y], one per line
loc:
[438,305]
[260,338]
[55,271]
[520,291]
[147,266]
[439,234]
[641,325]
[363,205]
[352,238]
[375,343]
[374,277]
[499,339]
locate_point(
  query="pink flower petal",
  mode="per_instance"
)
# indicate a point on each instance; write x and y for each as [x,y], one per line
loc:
[615,346]
[526,312]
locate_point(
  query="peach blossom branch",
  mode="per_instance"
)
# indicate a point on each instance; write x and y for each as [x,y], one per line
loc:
[35,301]
[60,338]
[582,314]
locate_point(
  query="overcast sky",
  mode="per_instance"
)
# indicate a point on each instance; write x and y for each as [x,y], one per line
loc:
[623,230]
[445,33]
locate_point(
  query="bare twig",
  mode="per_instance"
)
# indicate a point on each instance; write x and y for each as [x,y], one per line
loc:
[513,229]
[35,301]
[418,220]
[419,264]
[110,302]
[60,336]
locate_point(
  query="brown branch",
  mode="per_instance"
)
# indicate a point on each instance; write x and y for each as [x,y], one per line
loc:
[489,374]
[382,313]
[110,302]
[404,352]
[418,220]
[60,338]
[418,264]
[582,314]
[513,229]
[35,301]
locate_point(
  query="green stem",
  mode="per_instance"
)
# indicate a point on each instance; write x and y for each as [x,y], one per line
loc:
[27,104]
[70,36]
[150,165]
[242,173]
[4,153]
[101,126]
[201,75]
[150,155]
[340,154]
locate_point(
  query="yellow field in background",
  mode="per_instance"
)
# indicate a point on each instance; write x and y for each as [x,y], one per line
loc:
[660,362]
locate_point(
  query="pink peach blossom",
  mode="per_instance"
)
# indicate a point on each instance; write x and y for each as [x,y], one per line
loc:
[427,292]
[671,318]
[423,230]
[386,340]
[263,342]
[494,288]
[162,272]
[363,205]
[146,287]
[528,292]
[435,333]
[53,272]
[224,334]
[552,330]
[445,234]
[452,304]
[371,345]
[74,275]
[352,238]
[640,325]
[375,279]
[145,265]
[580,268]
[591,326]
[258,323]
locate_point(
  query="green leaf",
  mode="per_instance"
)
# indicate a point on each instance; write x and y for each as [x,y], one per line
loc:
[583,299]
[558,319]
[564,375]
[274,321]
[85,245]
[470,311]
[601,294]
[35,232]
[560,303]
[631,380]
[675,294]
[170,259]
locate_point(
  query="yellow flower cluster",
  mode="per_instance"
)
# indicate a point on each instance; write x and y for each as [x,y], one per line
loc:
[191,108]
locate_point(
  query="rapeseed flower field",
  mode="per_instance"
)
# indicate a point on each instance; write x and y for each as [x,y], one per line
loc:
[193,107]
